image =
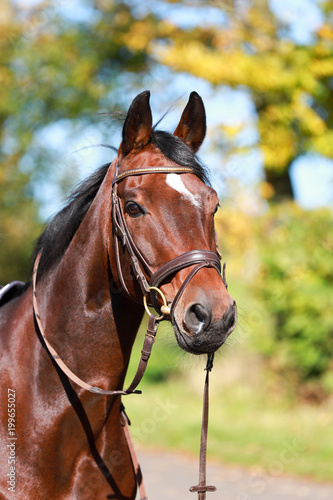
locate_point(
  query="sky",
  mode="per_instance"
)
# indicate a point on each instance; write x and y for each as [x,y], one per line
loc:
[311,175]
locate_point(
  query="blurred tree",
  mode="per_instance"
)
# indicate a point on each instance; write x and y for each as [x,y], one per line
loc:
[51,68]
[55,67]
[291,83]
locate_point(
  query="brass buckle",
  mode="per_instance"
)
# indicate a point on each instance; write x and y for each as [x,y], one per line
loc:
[165,309]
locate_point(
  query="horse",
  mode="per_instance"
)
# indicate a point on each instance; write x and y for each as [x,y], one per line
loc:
[139,228]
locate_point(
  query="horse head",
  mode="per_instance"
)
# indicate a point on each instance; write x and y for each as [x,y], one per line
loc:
[164,234]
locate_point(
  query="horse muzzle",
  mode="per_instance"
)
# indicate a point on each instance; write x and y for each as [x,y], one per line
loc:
[202,317]
[197,330]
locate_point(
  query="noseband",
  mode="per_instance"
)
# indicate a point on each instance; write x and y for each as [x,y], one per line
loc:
[142,270]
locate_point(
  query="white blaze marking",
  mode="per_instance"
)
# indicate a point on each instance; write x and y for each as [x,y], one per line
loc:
[175,182]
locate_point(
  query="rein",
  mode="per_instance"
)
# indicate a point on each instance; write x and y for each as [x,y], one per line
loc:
[149,283]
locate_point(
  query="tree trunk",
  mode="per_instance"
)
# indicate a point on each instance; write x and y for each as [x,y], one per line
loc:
[281,184]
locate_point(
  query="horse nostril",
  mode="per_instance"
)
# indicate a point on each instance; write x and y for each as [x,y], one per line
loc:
[196,318]
[230,316]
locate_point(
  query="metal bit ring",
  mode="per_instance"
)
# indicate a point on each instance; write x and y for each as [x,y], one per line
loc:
[165,309]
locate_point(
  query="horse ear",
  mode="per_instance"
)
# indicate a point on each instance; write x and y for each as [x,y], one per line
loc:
[138,124]
[192,126]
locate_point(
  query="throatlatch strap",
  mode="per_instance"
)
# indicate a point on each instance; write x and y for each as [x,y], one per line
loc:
[202,488]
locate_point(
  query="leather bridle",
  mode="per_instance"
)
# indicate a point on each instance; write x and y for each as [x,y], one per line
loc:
[149,282]
[140,267]
[196,258]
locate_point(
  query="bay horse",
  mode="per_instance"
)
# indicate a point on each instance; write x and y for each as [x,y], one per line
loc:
[142,226]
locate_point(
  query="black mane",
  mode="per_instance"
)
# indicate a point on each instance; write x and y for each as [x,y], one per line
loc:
[60,231]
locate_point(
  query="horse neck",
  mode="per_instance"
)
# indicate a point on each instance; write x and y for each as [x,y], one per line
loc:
[91,325]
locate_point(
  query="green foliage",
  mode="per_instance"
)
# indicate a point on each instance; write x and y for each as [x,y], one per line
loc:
[295,288]
[285,264]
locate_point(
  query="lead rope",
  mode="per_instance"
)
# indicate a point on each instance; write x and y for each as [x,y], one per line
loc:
[202,488]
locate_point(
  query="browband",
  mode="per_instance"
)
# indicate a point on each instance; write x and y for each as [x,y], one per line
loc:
[151,170]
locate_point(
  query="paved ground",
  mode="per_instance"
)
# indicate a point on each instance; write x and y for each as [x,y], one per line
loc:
[169,476]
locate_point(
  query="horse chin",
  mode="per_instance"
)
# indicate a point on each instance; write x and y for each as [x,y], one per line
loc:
[199,344]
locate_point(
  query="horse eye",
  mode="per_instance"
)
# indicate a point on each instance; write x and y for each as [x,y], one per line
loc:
[216,209]
[133,209]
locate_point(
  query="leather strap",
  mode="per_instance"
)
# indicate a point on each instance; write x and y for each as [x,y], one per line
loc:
[206,257]
[197,258]
[151,170]
[203,258]
[146,351]
[202,488]
[136,466]
[122,233]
